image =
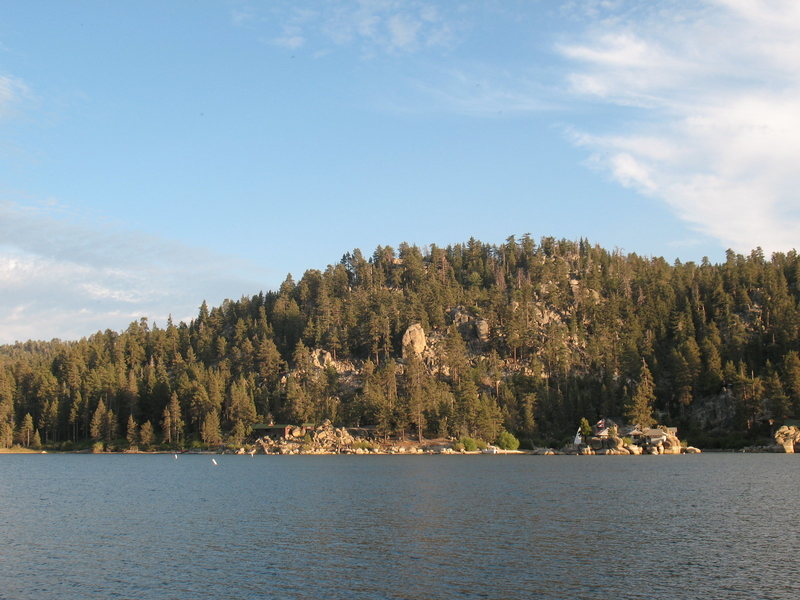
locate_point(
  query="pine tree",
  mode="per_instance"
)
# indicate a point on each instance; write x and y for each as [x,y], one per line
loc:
[146,434]
[210,431]
[176,423]
[241,407]
[166,425]
[639,409]
[6,434]
[98,425]
[777,400]
[237,433]
[298,404]
[25,433]
[415,392]
[109,426]
[791,370]
[131,433]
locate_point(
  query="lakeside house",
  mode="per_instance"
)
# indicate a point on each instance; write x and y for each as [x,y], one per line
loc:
[647,438]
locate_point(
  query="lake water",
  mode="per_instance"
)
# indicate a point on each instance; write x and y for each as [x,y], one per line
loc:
[355,527]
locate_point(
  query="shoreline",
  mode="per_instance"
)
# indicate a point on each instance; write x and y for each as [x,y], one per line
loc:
[538,452]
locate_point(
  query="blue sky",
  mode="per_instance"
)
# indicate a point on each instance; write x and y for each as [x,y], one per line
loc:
[155,154]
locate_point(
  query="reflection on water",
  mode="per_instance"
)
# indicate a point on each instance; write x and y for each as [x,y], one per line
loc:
[151,527]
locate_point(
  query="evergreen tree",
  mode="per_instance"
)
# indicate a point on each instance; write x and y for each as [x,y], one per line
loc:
[131,431]
[639,409]
[97,428]
[210,430]
[109,426]
[25,433]
[6,434]
[778,401]
[791,370]
[415,391]
[146,434]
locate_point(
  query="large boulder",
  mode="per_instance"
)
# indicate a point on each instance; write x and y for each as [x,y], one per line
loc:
[672,445]
[596,443]
[786,437]
[321,358]
[414,339]
[614,442]
[633,449]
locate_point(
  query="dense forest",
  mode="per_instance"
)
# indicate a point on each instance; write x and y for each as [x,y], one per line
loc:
[526,337]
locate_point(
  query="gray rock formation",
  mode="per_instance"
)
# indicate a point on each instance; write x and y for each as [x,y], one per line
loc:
[414,338]
[321,358]
[786,437]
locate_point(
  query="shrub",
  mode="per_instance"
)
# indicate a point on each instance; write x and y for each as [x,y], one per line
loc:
[363,445]
[98,447]
[507,441]
[307,444]
[470,445]
[458,447]
[481,444]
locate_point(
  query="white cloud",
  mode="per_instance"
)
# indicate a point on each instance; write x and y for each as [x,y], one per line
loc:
[713,127]
[372,26]
[64,278]
[12,91]
[403,30]
[292,42]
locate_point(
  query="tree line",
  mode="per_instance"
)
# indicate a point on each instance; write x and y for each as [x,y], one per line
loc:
[569,330]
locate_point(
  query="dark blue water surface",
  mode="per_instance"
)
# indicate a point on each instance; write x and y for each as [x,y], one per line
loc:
[151,527]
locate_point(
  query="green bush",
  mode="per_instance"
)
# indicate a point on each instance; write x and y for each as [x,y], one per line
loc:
[470,445]
[363,445]
[307,444]
[507,441]
[458,447]
[98,447]
[481,444]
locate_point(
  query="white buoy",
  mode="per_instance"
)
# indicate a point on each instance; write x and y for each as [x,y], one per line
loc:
[176,456]
[214,460]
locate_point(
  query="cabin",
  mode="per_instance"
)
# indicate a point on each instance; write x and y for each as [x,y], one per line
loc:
[653,437]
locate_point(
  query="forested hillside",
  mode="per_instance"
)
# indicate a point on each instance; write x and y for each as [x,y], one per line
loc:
[521,336]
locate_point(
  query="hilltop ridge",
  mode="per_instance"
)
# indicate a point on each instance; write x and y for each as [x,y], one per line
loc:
[467,340]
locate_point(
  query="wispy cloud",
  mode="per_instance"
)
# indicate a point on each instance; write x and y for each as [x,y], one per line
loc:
[12,92]
[483,92]
[712,126]
[62,277]
[370,26]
